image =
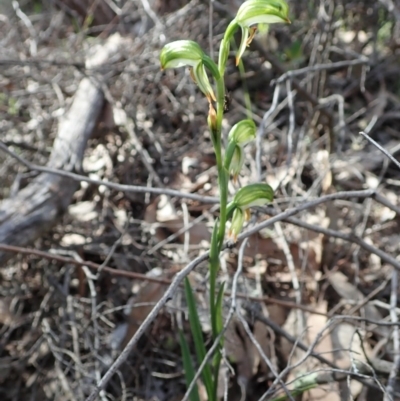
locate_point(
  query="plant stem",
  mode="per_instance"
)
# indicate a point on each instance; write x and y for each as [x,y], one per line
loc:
[218,236]
[219,232]
[223,175]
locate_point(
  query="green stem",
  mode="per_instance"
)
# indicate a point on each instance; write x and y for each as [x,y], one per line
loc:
[220,233]
[219,229]
[214,267]
[223,174]
[223,188]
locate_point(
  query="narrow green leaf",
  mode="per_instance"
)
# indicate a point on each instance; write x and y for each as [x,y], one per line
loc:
[198,338]
[219,326]
[223,178]
[188,367]
[216,364]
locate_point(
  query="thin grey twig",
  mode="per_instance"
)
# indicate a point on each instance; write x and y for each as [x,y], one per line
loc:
[291,122]
[151,13]
[383,150]
[320,67]
[117,187]
[367,193]
[24,18]
[261,130]
[366,320]
[350,237]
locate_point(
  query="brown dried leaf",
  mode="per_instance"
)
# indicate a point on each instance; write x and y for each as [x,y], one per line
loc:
[277,313]
[148,295]
[239,350]
[342,286]
[348,291]
[243,353]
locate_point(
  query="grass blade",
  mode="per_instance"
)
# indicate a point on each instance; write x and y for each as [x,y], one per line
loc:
[198,339]
[188,367]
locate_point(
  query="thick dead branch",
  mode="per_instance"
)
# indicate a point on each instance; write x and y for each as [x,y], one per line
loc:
[36,208]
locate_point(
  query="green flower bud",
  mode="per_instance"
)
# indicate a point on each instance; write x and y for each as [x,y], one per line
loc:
[251,195]
[243,132]
[236,224]
[258,194]
[201,78]
[253,12]
[180,54]
[240,134]
[188,53]
[237,162]
[262,12]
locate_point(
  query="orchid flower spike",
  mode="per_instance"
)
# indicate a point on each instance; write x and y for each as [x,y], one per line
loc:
[183,53]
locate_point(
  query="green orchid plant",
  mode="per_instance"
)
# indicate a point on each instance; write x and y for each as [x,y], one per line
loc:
[187,53]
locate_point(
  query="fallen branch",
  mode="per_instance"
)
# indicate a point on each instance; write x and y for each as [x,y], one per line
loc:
[38,206]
